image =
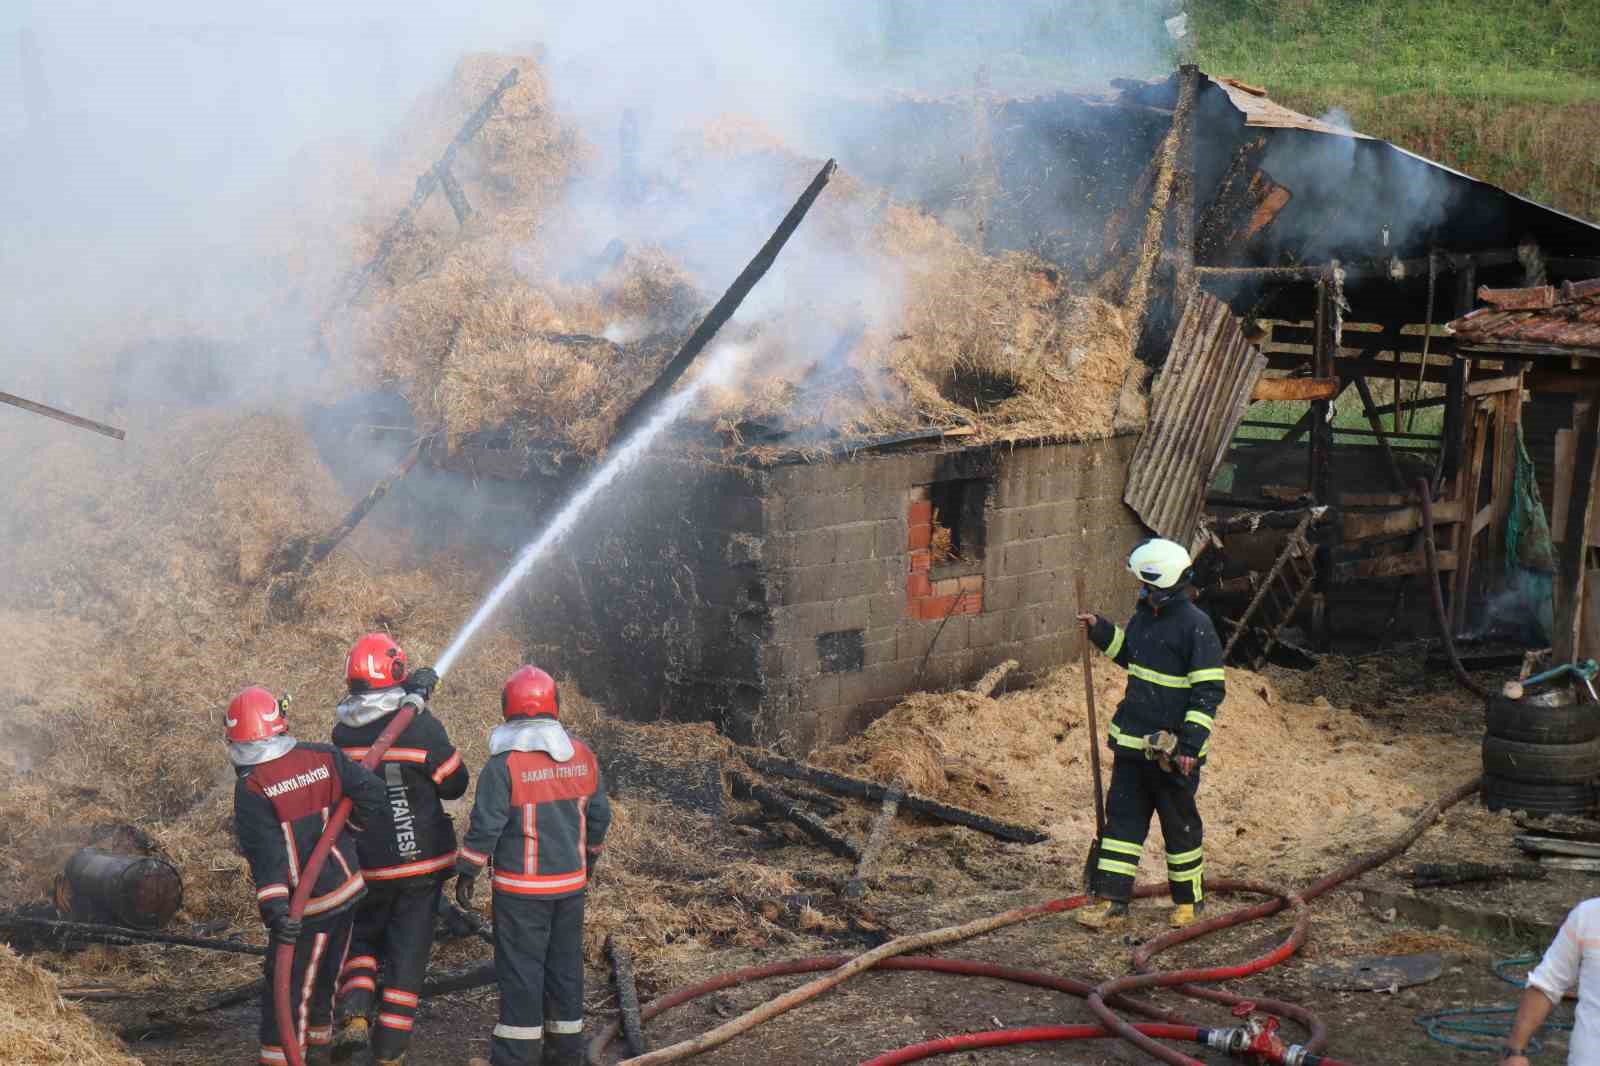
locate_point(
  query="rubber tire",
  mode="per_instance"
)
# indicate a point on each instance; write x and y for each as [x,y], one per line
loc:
[1500,794]
[1542,764]
[1532,724]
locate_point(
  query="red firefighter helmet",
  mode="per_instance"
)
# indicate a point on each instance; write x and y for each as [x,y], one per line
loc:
[255,714]
[529,692]
[375,661]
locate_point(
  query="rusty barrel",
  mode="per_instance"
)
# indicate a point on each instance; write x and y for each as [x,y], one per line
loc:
[136,891]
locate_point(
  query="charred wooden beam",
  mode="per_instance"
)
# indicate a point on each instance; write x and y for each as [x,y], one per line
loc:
[627,996]
[1357,270]
[1329,295]
[1395,479]
[1435,874]
[779,805]
[856,887]
[753,272]
[1258,520]
[94,932]
[63,416]
[1397,565]
[777,766]
[300,555]
[458,198]
[1365,341]
[429,180]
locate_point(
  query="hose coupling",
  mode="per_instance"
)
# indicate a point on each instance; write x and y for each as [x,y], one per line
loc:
[1232,1041]
[1297,1055]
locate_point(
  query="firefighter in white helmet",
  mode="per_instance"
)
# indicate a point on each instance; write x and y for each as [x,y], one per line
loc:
[1159,736]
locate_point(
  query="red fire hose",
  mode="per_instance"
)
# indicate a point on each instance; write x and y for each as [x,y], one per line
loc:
[283,954]
[1261,1041]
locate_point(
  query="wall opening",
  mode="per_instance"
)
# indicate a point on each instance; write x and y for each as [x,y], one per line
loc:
[957,516]
[945,538]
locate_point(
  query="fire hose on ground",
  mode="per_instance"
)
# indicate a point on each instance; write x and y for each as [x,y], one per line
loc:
[1253,1038]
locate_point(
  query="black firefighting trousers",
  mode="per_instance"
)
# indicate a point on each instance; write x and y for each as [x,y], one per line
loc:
[393,937]
[318,955]
[538,962]
[1139,787]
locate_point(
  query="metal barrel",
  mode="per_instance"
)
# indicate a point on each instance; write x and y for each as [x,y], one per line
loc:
[136,891]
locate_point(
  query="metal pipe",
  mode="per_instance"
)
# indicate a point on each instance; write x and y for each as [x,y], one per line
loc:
[133,890]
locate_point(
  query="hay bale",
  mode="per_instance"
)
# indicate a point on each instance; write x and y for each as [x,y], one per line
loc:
[38,1027]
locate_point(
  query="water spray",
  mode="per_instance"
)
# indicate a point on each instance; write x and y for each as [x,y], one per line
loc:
[722,361]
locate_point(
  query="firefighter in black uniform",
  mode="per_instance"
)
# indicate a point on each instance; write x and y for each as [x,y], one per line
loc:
[406,855]
[541,814]
[1175,686]
[281,801]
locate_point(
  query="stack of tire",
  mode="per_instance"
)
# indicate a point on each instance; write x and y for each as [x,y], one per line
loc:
[1541,753]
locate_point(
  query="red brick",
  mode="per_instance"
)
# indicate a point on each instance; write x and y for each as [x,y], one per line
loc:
[933,608]
[921,560]
[947,586]
[919,535]
[971,603]
[972,583]
[920,513]
[918,585]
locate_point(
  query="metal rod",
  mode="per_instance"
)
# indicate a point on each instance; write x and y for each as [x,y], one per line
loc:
[63,416]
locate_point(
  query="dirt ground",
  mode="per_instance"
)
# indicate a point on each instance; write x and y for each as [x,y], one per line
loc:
[941,876]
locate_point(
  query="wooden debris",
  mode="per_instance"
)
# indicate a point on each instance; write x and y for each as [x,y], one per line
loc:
[1570,862]
[300,555]
[627,996]
[781,806]
[777,766]
[856,887]
[63,416]
[1541,845]
[820,800]
[1435,874]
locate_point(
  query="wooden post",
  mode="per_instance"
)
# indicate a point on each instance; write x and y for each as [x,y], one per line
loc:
[1508,421]
[1466,494]
[1320,476]
[1573,557]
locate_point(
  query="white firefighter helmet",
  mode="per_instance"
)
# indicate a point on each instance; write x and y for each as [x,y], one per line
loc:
[1161,563]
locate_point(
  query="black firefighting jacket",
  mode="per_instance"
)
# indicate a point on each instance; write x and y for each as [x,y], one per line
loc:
[542,821]
[1175,681]
[414,837]
[280,808]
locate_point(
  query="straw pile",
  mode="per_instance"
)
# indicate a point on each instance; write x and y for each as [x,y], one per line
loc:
[37,1028]
[1289,788]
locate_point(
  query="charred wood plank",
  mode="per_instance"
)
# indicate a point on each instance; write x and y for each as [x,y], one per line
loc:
[627,996]
[1435,874]
[1249,523]
[719,314]
[856,887]
[302,554]
[778,766]
[1397,565]
[63,416]
[781,806]
[453,193]
[821,800]
[462,980]
[92,932]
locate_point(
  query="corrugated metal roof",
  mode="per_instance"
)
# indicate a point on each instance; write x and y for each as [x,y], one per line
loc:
[1258,110]
[1196,404]
[1568,317]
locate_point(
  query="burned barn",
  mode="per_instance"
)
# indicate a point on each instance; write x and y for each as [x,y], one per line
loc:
[790,577]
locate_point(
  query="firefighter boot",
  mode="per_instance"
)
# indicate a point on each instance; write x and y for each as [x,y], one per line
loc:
[353,1036]
[1107,914]
[1185,914]
[563,1049]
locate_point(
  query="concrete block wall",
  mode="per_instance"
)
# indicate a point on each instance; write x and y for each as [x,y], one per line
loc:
[862,614]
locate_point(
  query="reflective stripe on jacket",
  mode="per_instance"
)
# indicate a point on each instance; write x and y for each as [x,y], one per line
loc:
[1175,676]
[540,820]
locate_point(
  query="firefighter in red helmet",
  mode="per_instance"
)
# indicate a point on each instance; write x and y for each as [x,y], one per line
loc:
[284,792]
[406,854]
[541,814]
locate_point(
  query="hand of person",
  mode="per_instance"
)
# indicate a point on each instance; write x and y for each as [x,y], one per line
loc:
[464,887]
[423,682]
[1088,618]
[285,930]
[1186,764]
[590,861]
[1515,1060]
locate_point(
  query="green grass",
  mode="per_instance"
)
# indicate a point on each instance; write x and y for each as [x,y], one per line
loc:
[1506,90]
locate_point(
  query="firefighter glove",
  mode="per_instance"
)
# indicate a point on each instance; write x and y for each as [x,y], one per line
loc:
[422,682]
[464,886]
[285,930]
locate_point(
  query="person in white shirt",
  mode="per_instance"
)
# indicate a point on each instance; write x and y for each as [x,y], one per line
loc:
[1573,958]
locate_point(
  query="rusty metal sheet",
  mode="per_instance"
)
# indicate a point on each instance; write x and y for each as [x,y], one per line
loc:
[1570,320]
[1195,406]
[1383,973]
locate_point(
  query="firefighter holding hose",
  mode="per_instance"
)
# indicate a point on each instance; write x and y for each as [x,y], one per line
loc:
[281,801]
[540,814]
[406,854]
[1159,736]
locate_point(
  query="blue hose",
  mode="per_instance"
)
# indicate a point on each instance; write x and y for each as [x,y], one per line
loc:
[1483,1028]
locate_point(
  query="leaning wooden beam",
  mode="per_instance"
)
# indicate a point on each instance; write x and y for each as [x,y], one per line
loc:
[426,183]
[856,887]
[778,766]
[753,272]
[1373,420]
[990,681]
[779,805]
[303,554]
[63,416]
[627,995]
[1137,298]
